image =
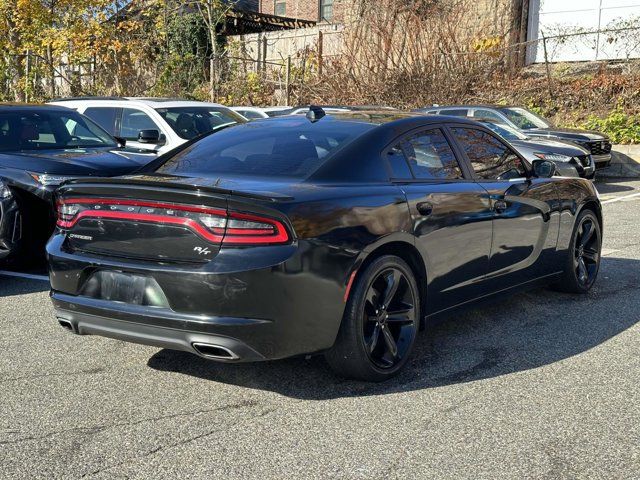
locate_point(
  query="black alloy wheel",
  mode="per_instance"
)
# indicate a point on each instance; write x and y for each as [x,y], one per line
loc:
[390,322]
[586,251]
[380,322]
[583,258]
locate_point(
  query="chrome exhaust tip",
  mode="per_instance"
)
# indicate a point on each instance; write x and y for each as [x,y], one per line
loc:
[66,324]
[215,352]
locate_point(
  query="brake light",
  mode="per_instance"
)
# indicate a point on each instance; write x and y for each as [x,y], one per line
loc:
[214,225]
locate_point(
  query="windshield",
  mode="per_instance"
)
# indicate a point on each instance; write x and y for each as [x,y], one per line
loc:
[505,131]
[189,122]
[50,129]
[524,119]
[285,148]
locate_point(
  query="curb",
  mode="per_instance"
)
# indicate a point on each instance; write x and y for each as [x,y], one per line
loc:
[625,162]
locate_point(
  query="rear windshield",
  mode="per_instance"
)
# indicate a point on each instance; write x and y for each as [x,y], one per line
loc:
[49,129]
[267,148]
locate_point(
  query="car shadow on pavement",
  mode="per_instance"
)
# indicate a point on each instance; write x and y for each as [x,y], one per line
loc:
[526,331]
[12,286]
[606,185]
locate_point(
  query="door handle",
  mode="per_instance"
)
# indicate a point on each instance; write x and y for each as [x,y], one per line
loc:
[424,208]
[499,206]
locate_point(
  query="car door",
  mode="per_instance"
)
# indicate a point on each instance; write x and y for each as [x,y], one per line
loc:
[525,209]
[451,215]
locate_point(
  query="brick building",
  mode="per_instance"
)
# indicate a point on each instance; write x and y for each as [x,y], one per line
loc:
[332,11]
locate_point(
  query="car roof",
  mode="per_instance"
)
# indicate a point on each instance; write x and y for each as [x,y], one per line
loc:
[154,102]
[13,107]
[480,105]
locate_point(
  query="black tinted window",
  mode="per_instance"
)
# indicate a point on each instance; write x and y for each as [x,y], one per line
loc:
[456,112]
[135,120]
[285,148]
[430,156]
[105,117]
[398,163]
[489,157]
[189,122]
[46,129]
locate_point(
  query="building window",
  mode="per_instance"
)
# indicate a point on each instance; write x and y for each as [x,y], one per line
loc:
[280,7]
[326,10]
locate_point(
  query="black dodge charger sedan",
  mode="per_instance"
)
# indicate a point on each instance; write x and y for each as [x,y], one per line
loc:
[342,235]
[42,146]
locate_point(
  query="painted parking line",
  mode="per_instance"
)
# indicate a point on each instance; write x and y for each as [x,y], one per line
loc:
[30,276]
[620,199]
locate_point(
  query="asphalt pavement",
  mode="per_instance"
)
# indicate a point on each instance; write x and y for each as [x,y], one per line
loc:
[542,385]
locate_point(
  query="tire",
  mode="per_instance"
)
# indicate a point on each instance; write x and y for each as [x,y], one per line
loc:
[364,348]
[582,262]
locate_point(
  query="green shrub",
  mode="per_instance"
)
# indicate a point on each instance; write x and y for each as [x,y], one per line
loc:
[621,127]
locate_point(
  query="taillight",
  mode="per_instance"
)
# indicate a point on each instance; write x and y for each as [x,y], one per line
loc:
[214,225]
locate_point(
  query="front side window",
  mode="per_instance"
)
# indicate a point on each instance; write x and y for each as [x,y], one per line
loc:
[190,122]
[490,158]
[103,116]
[133,121]
[280,7]
[50,130]
[488,114]
[326,10]
[431,156]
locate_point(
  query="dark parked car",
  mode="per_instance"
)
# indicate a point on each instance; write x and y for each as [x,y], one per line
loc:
[598,144]
[293,236]
[41,146]
[571,159]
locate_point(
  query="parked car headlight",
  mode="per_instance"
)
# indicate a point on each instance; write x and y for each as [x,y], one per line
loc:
[553,157]
[48,180]
[4,190]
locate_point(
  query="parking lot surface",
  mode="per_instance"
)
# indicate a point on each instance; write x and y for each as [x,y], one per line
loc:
[542,385]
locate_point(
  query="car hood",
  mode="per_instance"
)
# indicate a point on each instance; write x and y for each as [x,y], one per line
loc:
[76,162]
[567,134]
[551,146]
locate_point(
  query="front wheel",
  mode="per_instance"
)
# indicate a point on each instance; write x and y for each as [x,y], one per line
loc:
[380,323]
[583,258]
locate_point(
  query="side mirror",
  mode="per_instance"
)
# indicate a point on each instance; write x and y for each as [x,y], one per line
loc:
[543,168]
[149,136]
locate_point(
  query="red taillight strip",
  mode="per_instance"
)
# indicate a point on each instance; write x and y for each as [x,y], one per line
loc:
[232,236]
[145,217]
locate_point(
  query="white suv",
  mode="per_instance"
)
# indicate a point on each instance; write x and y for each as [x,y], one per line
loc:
[153,123]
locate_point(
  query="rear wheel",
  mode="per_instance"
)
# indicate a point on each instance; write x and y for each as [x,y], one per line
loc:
[380,323]
[583,259]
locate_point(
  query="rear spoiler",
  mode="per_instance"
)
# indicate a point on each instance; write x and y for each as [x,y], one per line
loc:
[174,184]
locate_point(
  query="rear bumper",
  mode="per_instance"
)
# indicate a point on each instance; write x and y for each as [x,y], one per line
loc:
[185,335]
[260,303]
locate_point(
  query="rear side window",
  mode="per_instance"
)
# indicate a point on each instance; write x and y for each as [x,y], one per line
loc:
[288,149]
[490,158]
[425,155]
[105,117]
[398,163]
[430,156]
[455,112]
